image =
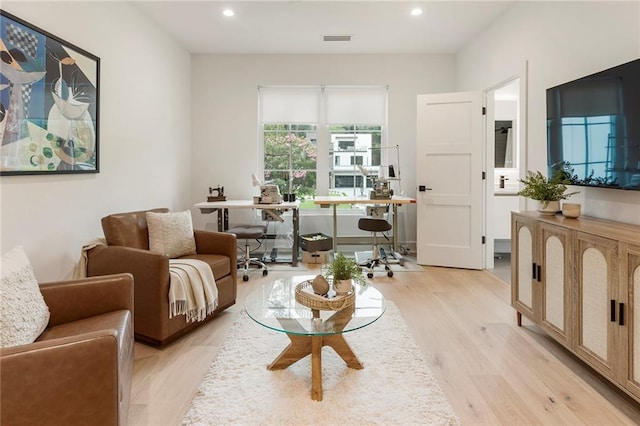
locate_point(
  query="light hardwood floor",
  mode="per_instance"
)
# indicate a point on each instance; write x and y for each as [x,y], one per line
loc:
[492,372]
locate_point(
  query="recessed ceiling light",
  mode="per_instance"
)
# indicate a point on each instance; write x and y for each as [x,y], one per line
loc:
[228,12]
[416,12]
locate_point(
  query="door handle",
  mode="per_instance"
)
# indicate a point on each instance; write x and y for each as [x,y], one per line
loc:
[621,314]
[613,310]
[423,188]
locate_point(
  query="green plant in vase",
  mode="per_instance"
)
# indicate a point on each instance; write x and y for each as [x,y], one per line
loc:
[344,271]
[547,191]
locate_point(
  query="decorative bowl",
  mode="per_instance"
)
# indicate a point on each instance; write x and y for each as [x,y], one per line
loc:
[570,210]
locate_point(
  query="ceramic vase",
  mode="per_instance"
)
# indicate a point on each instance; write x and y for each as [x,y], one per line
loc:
[548,207]
[342,287]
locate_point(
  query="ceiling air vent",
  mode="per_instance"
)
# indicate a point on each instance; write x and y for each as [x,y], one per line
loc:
[336,38]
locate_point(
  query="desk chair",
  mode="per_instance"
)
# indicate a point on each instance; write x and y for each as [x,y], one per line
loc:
[375,225]
[246,233]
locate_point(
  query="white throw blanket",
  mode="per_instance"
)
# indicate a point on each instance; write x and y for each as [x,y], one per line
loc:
[80,270]
[192,290]
[192,287]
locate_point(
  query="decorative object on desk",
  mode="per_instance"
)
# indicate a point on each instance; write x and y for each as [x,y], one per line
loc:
[548,192]
[219,190]
[50,105]
[571,210]
[320,285]
[345,271]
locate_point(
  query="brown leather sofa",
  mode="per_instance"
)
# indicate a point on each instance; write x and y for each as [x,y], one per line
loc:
[127,250]
[79,370]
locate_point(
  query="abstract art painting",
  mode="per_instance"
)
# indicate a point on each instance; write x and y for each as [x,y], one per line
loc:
[49,99]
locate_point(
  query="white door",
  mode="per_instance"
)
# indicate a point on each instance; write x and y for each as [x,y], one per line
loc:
[450,180]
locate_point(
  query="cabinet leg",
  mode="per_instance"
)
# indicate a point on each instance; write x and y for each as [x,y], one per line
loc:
[519,319]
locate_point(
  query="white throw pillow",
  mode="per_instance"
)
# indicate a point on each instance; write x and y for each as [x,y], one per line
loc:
[23,313]
[171,234]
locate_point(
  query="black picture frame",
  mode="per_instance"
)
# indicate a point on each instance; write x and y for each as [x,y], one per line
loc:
[49,102]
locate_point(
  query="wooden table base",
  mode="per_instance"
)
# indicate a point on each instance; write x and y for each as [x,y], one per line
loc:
[303,345]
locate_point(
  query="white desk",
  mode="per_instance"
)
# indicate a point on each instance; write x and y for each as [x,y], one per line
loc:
[334,201]
[222,209]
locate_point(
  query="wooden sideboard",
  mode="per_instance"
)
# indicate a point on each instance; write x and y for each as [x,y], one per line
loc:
[578,280]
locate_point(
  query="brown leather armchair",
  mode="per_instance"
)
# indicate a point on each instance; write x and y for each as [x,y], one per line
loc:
[127,250]
[79,370]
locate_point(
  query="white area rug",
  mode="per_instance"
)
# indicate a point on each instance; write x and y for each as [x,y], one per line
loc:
[395,387]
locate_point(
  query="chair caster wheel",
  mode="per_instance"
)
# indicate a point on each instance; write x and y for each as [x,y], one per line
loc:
[264,273]
[245,278]
[370,275]
[386,268]
[390,274]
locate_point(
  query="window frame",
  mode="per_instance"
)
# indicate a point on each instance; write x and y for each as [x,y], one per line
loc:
[326,162]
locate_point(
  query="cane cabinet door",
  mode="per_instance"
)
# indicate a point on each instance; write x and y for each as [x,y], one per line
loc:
[524,272]
[555,280]
[598,301]
[630,278]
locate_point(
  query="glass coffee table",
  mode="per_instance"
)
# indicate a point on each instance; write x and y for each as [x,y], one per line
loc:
[274,306]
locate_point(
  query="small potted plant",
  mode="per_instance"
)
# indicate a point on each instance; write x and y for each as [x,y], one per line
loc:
[547,191]
[344,271]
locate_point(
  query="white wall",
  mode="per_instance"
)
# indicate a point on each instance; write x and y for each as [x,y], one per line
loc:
[150,86]
[560,41]
[145,134]
[225,115]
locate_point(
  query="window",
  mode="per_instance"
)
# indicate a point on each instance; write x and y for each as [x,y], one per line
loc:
[346,144]
[363,150]
[290,158]
[322,139]
[356,160]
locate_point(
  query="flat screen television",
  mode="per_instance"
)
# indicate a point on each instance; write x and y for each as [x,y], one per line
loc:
[593,128]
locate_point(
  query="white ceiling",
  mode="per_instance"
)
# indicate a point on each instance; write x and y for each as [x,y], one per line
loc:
[298,26]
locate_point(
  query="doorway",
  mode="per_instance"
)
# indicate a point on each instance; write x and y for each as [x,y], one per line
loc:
[506,130]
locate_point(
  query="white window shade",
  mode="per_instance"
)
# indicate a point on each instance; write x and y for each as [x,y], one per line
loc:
[356,105]
[289,105]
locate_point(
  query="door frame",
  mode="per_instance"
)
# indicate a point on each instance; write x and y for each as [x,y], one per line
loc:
[489,159]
